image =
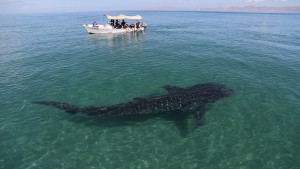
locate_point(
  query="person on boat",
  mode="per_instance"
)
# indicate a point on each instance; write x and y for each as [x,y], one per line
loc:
[117,23]
[138,24]
[95,24]
[132,25]
[112,23]
[123,23]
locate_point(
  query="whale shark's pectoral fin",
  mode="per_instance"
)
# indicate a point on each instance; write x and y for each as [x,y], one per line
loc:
[179,119]
[198,114]
[172,89]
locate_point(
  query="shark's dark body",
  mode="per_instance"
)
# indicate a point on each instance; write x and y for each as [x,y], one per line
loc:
[189,100]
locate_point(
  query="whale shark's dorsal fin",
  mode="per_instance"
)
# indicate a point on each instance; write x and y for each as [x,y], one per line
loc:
[172,89]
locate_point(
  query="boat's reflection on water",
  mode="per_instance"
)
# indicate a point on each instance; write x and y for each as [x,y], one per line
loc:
[124,41]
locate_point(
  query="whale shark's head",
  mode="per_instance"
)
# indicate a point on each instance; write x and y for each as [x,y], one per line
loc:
[211,92]
[219,91]
[226,92]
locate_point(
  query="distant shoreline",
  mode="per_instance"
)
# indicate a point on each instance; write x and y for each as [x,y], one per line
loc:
[216,11]
[244,9]
[264,9]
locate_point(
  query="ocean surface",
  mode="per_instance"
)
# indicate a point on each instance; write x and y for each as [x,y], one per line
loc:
[51,57]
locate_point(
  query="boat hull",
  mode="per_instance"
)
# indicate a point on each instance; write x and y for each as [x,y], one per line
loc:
[100,29]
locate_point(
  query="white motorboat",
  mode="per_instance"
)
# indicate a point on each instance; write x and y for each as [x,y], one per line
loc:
[111,27]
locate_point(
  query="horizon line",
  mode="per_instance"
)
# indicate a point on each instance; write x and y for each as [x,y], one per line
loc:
[241,9]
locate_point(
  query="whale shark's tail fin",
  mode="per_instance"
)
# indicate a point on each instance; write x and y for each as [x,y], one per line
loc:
[69,108]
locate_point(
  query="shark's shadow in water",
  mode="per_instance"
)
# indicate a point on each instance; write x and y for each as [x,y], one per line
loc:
[177,105]
[176,117]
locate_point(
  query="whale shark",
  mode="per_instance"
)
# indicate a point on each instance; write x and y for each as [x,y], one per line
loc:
[189,100]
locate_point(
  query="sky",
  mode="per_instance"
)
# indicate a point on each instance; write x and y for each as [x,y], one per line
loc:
[49,6]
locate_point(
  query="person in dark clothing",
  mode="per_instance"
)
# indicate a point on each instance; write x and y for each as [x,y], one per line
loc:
[95,24]
[123,23]
[131,25]
[117,23]
[137,24]
[112,23]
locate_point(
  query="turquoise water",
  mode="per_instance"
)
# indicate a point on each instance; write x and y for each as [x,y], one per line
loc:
[51,57]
